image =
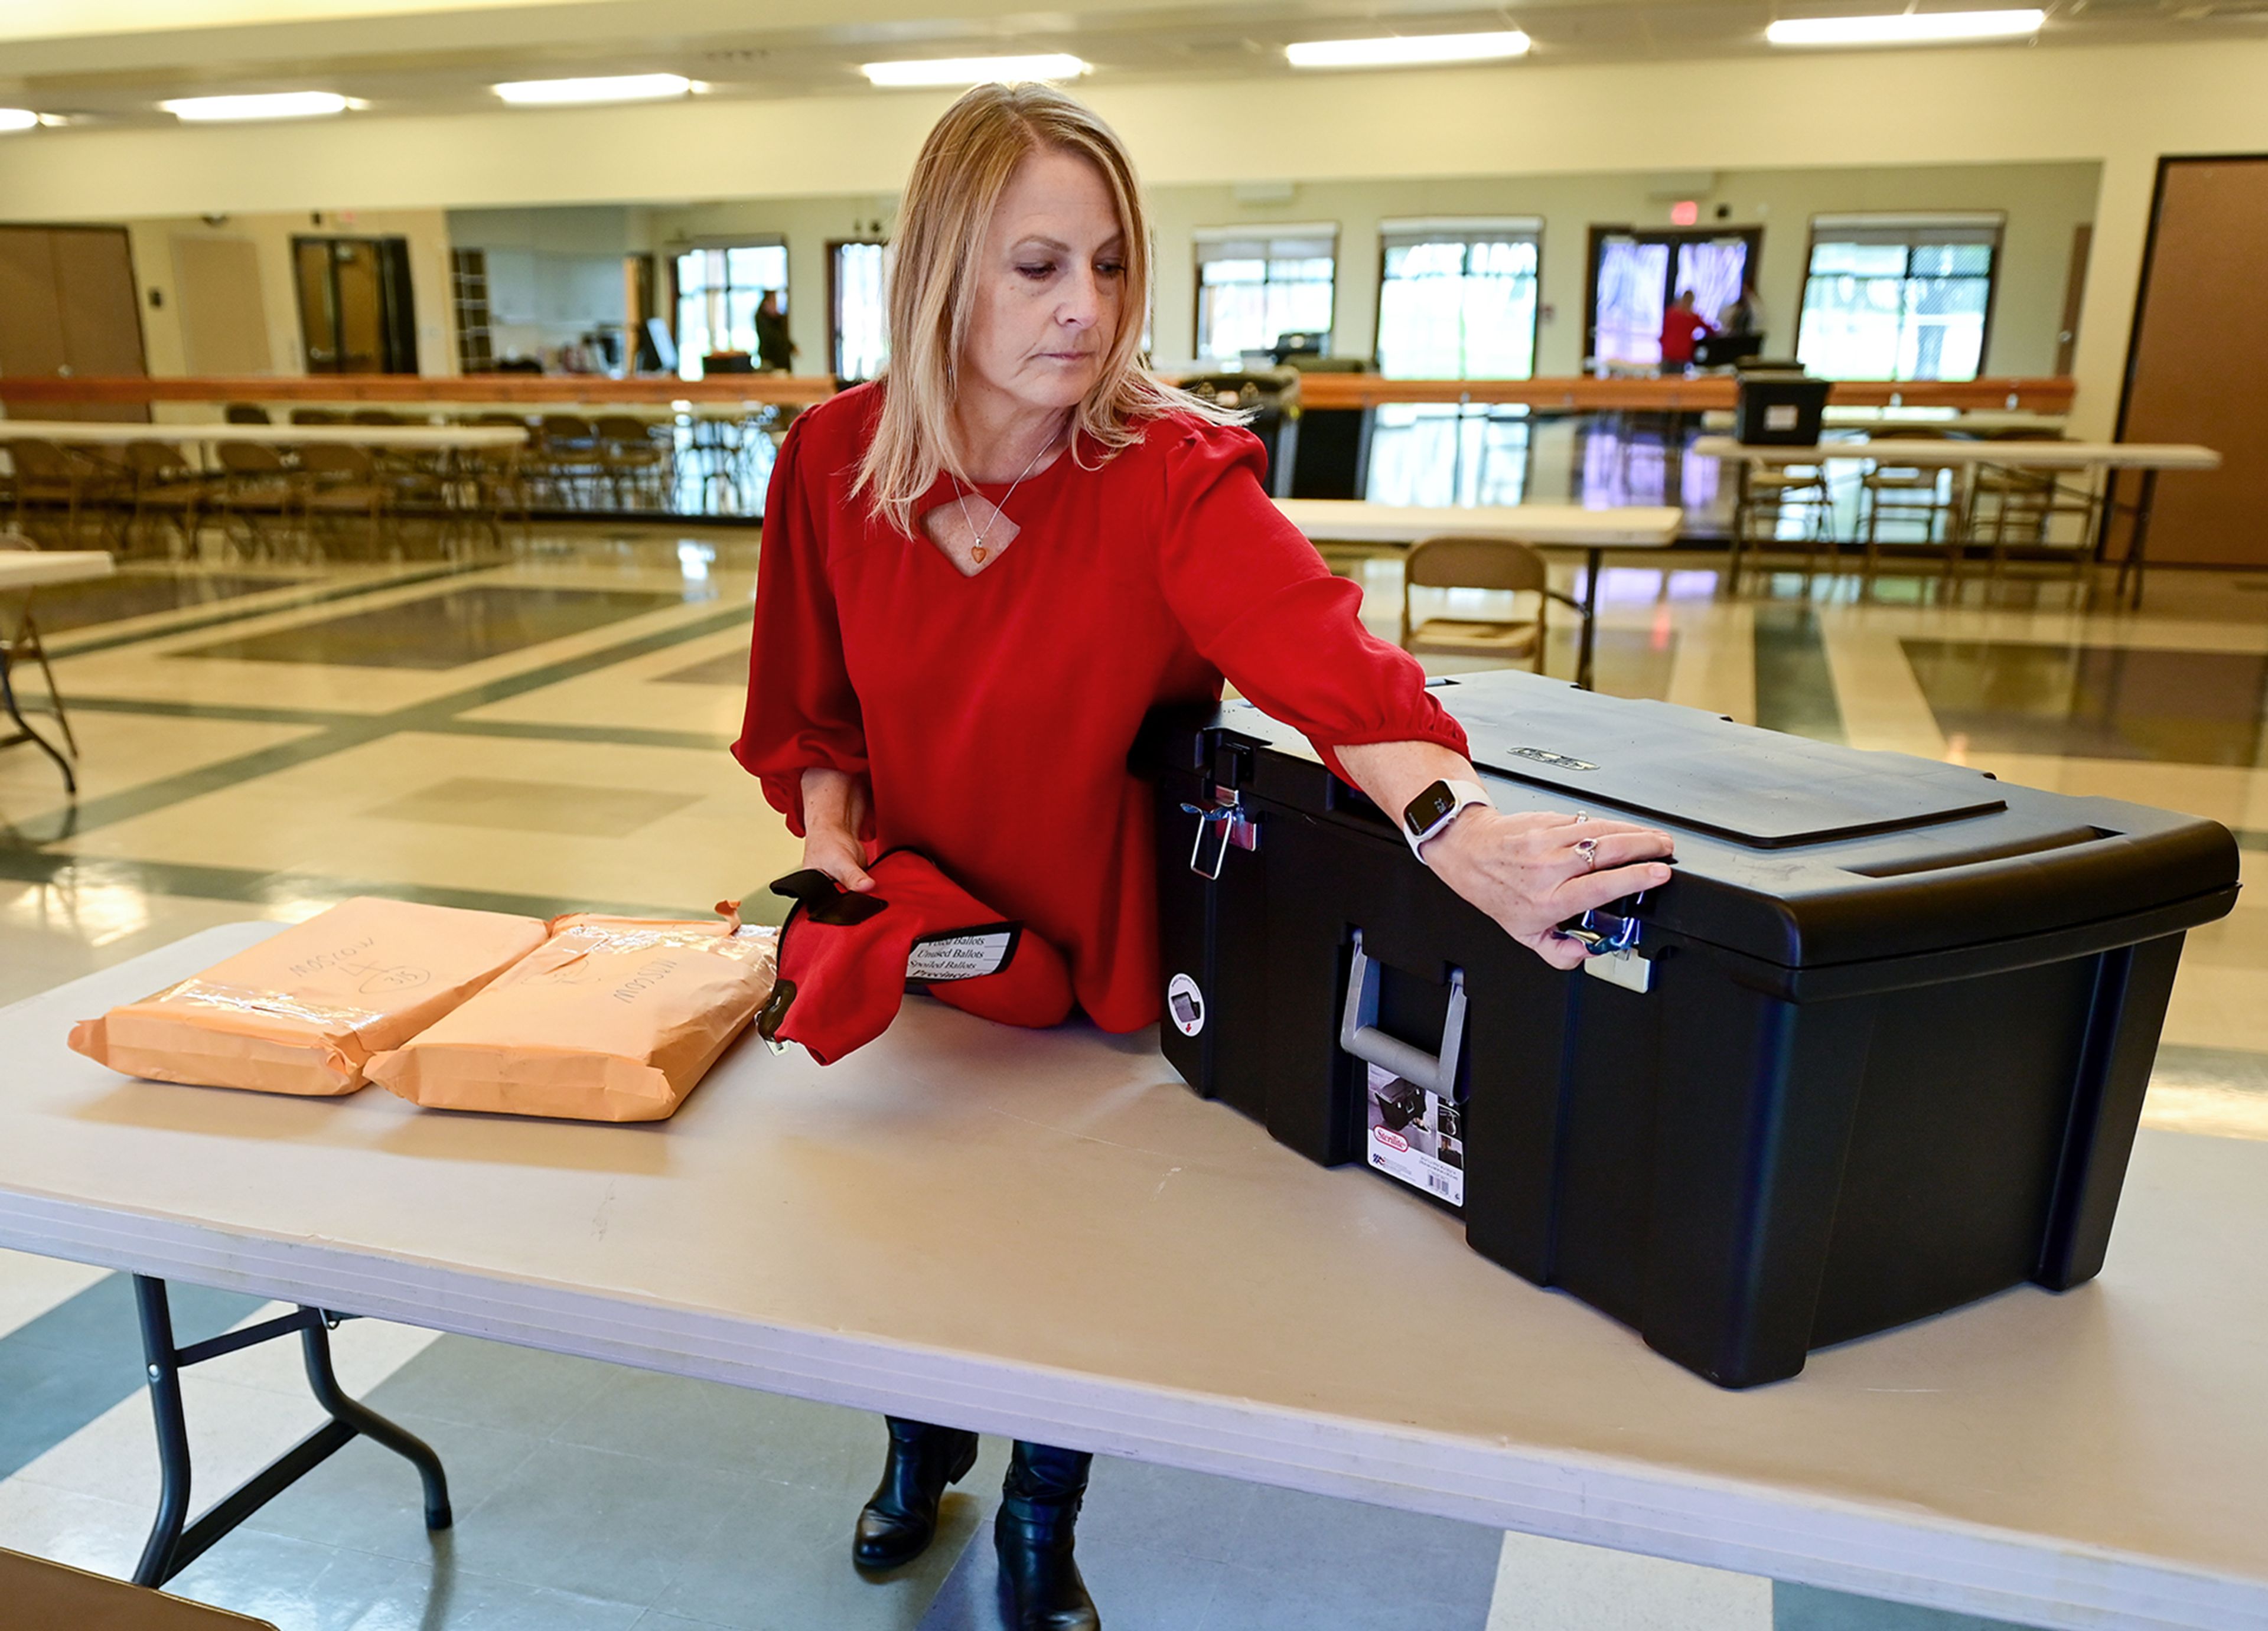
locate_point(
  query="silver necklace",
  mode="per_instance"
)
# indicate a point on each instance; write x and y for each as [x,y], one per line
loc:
[977,552]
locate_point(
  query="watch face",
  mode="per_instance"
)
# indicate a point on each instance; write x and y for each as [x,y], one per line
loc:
[1429,807]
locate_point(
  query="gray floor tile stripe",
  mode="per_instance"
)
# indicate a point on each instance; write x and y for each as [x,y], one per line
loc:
[222,883]
[75,1362]
[696,741]
[238,713]
[214,620]
[550,730]
[355,733]
[1795,690]
[1810,1608]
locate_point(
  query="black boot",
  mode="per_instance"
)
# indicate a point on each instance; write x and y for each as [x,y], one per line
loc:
[901,1520]
[1039,1505]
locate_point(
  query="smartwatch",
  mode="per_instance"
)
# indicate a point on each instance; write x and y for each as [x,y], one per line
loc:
[1430,812]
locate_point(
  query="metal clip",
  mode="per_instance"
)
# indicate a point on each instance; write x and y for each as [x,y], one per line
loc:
[1610,949]
[1221,824]
[1603,934]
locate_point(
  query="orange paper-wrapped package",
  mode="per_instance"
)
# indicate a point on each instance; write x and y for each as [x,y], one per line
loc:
[303,1013]
[612,1020]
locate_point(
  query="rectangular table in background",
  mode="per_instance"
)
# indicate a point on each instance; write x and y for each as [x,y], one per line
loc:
[1044,1233]
[1543,526]
[2095,458]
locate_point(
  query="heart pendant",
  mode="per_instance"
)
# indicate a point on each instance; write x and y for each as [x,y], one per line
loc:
[978,554]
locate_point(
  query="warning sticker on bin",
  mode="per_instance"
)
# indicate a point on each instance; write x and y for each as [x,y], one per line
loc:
[1185,1005]
[1415,1136]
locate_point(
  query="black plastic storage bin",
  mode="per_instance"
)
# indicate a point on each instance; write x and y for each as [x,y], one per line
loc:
[1877,1050]
[1778,405]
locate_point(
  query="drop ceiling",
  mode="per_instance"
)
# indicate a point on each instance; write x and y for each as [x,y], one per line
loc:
[85,60]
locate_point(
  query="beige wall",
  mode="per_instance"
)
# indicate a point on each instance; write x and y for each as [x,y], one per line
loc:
[271,235]
[808,224]
[2044,203]
[2122,106]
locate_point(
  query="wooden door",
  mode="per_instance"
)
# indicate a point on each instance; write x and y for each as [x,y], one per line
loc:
[68,307]
[2194,370]
[356,315]
[217,287]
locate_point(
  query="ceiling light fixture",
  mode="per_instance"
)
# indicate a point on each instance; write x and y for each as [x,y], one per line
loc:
[1402,50]
[610,88]
[280,105]
[973,70]
[18,119]
[1905,27]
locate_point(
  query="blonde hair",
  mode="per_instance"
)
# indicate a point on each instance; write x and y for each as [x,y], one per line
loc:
[964,167]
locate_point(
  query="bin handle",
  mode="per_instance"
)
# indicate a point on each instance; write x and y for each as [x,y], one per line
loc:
[1360,1035]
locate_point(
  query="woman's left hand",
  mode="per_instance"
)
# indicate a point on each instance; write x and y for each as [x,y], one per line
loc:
[1535,871]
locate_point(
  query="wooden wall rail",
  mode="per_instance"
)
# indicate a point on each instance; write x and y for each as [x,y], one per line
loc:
[2040,395]
[1318,391]
[790,390]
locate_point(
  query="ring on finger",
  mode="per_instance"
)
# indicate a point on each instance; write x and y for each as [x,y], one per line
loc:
[1582,817]
[1588,849]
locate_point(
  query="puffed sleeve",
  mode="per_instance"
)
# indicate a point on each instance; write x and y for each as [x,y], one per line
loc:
[802,713]
[1259,604]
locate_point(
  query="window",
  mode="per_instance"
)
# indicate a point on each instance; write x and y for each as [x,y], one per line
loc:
[717,293]
[1456,299]
[1898,298]
[1253,288]
[860,277]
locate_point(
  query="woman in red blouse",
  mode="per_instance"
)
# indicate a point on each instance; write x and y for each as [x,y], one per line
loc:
[980,572]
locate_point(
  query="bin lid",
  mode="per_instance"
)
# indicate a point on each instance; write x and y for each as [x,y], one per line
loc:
[1770,792]
[1811,854]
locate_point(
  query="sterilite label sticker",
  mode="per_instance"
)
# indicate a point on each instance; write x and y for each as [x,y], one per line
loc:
[964,956]
[1415,1136]
[1185,1005]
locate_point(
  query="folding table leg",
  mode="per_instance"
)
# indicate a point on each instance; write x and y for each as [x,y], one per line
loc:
[30,641]
[174,1543]
[24,730]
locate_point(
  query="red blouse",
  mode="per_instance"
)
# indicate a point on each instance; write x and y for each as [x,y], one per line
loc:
[993,715]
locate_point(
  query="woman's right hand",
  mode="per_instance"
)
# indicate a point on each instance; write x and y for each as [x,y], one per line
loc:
[834,810]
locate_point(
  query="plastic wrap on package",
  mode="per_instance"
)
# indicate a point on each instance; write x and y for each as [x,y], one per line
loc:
[611,1019]
[303,1012]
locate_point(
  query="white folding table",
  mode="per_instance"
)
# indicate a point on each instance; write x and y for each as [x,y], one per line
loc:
[1544,526]
[2095,460]
[22,570]
[1045,1234]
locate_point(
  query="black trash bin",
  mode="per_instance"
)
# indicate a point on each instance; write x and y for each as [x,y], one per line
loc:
[1878,1051]
[1778,405]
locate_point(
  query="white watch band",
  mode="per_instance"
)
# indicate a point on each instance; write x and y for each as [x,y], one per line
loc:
[1466,795]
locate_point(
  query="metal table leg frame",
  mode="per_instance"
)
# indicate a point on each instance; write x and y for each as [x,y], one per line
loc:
[174,1543]
[24,732]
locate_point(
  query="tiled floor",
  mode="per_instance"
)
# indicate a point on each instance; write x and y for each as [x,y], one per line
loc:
[546,731]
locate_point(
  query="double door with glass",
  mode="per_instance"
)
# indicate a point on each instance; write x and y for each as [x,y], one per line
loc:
[1636,275]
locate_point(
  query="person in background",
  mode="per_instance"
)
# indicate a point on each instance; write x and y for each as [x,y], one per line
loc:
[1681,327]
[1746,315]
[774,348]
